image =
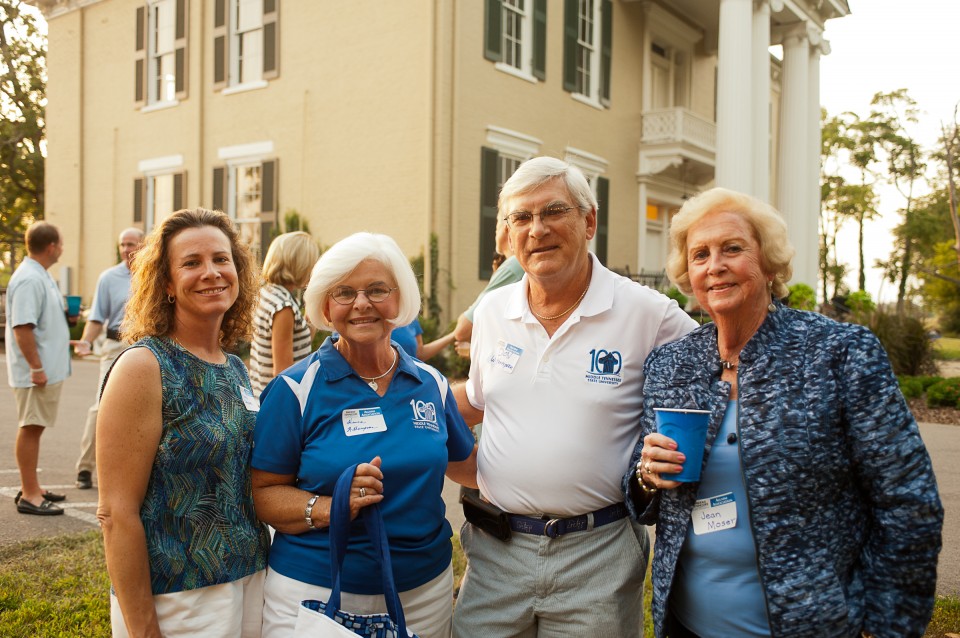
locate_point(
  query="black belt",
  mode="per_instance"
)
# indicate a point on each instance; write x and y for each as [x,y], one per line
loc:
[116,335]
[554,527]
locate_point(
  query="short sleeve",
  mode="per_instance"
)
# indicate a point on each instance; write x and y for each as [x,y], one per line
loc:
[278,436]
[27,303]
[460,439]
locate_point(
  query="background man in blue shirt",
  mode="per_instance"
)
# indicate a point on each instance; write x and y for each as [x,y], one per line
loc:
[109,303]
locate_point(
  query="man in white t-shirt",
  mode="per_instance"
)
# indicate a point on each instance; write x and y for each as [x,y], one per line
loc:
[556,375]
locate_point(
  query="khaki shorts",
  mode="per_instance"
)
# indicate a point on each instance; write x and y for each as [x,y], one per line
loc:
[38,406]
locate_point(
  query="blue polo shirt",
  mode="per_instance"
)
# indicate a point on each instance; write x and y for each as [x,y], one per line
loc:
[110,299]
[319,417]
[406,337]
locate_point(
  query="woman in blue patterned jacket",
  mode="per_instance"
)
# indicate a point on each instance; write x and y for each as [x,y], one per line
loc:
[817,513]
[185,552]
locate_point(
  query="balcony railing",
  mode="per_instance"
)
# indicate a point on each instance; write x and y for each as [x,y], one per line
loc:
[677,125]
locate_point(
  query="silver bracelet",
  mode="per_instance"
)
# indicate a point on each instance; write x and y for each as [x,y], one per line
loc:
[308,512]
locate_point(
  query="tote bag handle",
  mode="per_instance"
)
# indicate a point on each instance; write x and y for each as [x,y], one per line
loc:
[339,536]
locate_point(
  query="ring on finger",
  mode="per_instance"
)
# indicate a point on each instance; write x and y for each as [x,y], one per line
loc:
[363,492]
[647,469]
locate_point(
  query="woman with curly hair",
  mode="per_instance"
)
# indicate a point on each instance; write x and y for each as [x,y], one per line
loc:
[184,549]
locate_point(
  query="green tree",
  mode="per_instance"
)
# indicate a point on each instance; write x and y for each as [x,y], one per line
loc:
[23,51]
[890,118]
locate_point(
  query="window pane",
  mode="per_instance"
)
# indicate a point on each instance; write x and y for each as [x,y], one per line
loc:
[166,78]
[162,201]
[250,56]
[164,32]
[249,232]
[249,187]
[249,15]
[513,33]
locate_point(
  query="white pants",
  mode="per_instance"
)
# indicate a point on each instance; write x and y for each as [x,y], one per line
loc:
[428,609]
[219,611]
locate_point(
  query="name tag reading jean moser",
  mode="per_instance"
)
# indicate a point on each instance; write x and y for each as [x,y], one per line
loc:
[363,421]
[714,514]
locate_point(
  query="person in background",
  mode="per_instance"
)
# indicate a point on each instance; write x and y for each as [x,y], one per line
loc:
[360,399]
[281,335]
[816,513]
[507,271]
[109,302]
[38,359]
[410,338]
[555,376]
[185,552]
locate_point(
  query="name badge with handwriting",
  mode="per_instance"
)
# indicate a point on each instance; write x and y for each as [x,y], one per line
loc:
[714,514]
[363,421]
[249,400]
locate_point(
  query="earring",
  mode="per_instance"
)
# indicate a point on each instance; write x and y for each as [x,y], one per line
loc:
[772,307]
[171,299]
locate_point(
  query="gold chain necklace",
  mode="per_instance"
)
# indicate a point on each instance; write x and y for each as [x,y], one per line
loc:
[541,317]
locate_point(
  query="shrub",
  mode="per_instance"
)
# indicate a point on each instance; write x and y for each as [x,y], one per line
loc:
[802,297]
[946,393]
[911,387]
[675,294]
[905,340]
[929,381]
[861,301]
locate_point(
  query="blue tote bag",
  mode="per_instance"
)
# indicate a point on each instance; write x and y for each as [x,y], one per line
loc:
[318,619]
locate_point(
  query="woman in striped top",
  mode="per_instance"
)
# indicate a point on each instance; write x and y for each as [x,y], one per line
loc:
[281,336]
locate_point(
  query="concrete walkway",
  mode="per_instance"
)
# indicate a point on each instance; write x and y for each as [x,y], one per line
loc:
[60,446]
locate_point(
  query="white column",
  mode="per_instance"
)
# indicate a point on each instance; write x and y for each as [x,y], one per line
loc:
[793,174]
[761,100]
[808,270]
[734,128]
[641,226]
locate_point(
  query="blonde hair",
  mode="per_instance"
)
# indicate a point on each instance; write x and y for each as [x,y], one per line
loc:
[343,257]
[768,226]
[148,312]
[290,259]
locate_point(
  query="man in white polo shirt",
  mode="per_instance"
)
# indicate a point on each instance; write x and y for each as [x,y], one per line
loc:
[556,375]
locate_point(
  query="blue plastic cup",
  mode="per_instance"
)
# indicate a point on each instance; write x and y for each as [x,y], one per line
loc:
[73,305]
[689,429]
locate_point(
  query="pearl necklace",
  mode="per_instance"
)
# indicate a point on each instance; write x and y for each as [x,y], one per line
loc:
[541,317]
[372,381]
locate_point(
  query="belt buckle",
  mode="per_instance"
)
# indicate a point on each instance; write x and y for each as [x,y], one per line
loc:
[550,529]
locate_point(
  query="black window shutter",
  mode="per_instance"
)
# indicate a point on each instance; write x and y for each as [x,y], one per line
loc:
[570,46]
[603,218]
[489,191]
[140,58]
[138,187]
[540,39]
[179,191]
[219,44]
[219,188]
[180,51]
[268,189]
[493,30]
[271,40]
[606,50]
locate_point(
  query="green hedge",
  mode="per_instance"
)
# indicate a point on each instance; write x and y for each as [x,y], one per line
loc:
[946,393]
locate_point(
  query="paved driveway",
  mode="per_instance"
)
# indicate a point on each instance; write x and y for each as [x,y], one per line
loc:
[60,446]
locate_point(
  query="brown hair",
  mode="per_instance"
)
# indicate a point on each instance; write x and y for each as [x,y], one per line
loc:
[148,313]
[40,235]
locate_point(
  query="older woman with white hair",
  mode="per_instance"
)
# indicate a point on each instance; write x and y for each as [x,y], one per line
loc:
[358,399]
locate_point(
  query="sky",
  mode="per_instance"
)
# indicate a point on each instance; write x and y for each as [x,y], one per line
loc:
[882,46]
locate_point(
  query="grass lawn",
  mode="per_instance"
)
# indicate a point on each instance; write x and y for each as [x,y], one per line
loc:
[947,348]
[58,588]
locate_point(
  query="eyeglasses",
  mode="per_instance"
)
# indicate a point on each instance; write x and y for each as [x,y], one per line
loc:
[523,218]
[345,295]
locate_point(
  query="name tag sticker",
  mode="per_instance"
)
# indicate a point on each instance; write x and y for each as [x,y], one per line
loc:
[363,421]
[714,514]
[506,356]
[249,401]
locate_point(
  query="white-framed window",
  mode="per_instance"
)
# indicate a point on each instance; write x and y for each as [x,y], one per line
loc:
[670,72]
[515,37]
[502,154]
[246,44]
[588,46]
[161,53]
[159,191]
[245,188]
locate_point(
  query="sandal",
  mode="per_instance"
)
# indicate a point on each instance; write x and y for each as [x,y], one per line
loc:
[46,508]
